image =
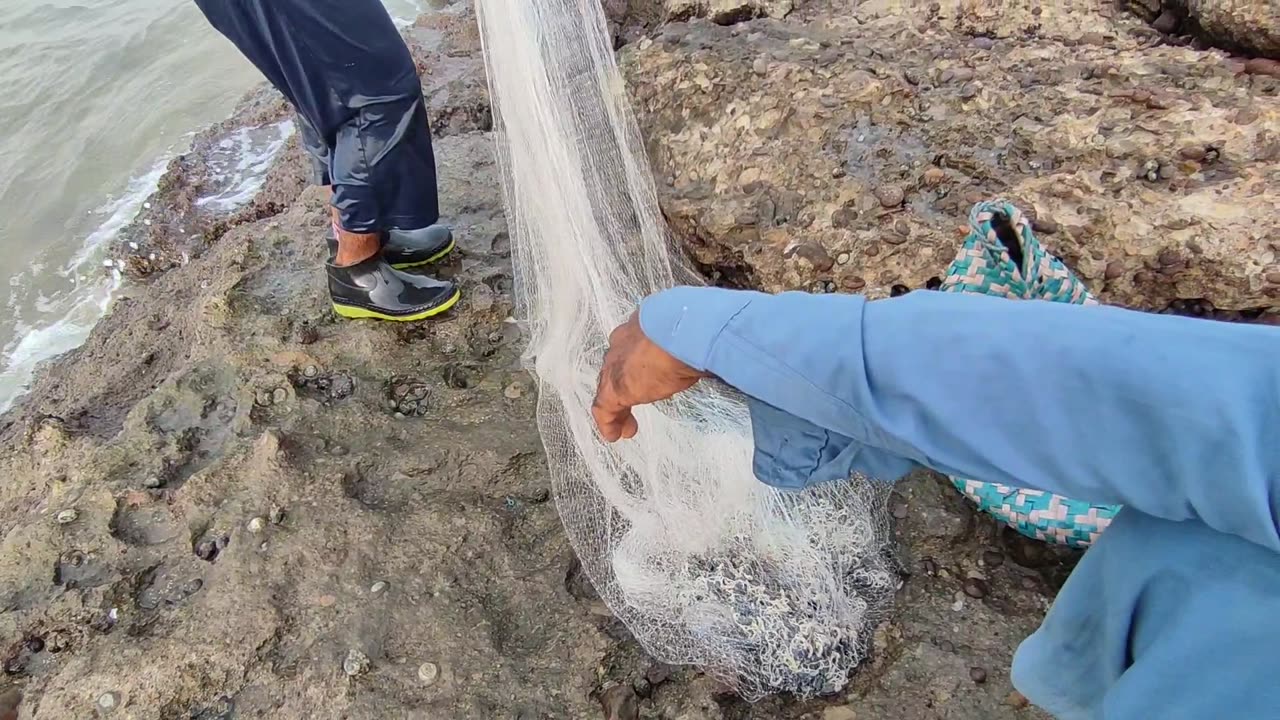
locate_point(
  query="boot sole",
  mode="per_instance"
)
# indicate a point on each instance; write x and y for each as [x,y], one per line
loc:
[438,256]
[351,312]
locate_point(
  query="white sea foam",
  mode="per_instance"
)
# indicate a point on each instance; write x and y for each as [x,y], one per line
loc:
[239,163]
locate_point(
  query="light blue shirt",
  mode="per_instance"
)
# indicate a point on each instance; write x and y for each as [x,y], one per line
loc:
[1175,612]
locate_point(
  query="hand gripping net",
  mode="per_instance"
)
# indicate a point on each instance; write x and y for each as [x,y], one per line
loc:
[769,591]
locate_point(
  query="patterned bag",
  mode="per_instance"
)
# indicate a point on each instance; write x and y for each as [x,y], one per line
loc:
[1002,257]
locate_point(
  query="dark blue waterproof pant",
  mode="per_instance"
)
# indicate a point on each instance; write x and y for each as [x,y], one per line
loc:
[345,69]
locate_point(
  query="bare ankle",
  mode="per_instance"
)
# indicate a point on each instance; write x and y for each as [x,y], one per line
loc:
[355,248]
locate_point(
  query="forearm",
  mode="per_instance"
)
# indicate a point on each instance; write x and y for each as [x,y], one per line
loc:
[1177,418]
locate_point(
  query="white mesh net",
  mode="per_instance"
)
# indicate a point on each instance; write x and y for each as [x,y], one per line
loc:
[769,591]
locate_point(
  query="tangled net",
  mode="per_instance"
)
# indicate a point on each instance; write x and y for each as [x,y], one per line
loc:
[769,591]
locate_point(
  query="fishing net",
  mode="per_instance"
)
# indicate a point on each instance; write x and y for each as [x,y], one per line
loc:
[770,591]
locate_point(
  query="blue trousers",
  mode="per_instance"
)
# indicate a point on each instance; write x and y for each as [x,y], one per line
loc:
[362,117]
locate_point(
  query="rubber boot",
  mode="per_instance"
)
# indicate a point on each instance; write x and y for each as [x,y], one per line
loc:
[373,289]
[408,248]
[414,248]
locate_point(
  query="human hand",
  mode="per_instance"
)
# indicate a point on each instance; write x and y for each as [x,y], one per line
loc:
[636,372]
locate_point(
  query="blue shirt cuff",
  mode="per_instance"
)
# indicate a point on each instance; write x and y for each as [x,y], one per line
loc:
[686,321]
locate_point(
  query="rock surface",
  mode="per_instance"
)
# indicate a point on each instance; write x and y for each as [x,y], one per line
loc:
[1252,26]
[277,513]
[1151,170]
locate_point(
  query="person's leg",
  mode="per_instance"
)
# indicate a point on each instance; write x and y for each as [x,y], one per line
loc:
[342,65]
[1159,620]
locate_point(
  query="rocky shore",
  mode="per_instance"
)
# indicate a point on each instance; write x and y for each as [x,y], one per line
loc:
[228,504]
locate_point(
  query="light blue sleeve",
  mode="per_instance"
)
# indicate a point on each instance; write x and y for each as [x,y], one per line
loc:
[1176,418]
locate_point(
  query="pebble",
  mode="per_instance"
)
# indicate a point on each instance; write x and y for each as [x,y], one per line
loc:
[760,66]
[1016,700]
[277,515]
[934,176]
[843,259]
[890,195]
[355,663]
[1115,269]
[68,516]
[853,282]
[152,481]
[1167,22]
[263,398]
[311,371]
[1272,277]
[1045,224]
[146,206]
[899,510]
[513,391]
[207,550]
[983,43]
[257,524]
[978,675]
[620,703]
[108,701]
[930,566]
[975,588]
[279,395]
[992,559]
[1193,152]
[428,673]
[839,713]
[378,587]
[844,217]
